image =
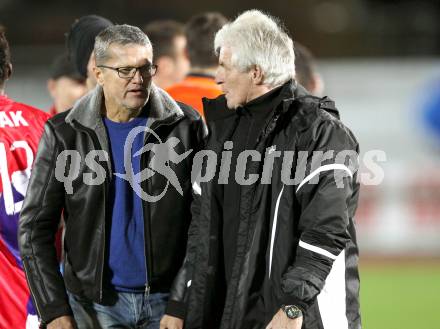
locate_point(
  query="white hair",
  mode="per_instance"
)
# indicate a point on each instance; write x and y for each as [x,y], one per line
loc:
[257,39]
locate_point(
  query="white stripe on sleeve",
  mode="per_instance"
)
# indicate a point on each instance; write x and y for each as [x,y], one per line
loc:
[335,166]
[318,250]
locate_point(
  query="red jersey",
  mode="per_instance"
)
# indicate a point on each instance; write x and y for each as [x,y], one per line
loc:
[21,127]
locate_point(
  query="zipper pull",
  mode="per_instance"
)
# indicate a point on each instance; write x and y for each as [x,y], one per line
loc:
[147,291]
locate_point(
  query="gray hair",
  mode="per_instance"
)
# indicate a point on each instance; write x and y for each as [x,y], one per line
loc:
[258,39]
[121,35]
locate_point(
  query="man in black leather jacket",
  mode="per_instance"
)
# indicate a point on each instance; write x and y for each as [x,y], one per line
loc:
[125,223]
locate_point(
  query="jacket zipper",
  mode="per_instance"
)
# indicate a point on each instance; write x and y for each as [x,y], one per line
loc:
[32,291]
[108,170]
[104,238]
[148,260]
[148,249]
[266,131]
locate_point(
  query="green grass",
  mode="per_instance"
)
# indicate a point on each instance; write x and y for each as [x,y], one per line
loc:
[400,296]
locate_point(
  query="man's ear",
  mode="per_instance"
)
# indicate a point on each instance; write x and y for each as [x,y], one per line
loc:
[51,87]
[257,75]
[99,75]
[8,71]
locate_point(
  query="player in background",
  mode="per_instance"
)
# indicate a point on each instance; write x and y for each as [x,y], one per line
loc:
[306,71]
[21,127]
[65,84]
[200,31]
[169,42]
[80,42]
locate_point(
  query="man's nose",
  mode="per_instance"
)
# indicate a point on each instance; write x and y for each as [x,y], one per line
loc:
[138,78]
[219,77]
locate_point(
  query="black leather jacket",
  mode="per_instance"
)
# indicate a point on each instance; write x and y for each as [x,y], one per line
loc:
[85,209]
[296,241]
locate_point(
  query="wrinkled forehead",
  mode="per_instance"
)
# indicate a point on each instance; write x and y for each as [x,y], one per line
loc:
[129,54]
[225,55]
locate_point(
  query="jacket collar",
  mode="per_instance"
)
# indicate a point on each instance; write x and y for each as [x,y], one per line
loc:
[87,111]
[292,94]
[222,121]
[216,109]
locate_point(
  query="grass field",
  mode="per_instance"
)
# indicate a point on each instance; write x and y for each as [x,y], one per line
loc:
[400,296]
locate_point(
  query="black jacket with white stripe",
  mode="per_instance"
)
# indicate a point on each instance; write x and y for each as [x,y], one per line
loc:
[296,242]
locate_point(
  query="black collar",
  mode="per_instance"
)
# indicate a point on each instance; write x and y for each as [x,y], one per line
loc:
[217,109]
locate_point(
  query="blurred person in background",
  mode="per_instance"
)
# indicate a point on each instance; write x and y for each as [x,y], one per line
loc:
[169,42]
[65,84]
[80,42]
[306,72]
[430,110]
[274,253]
[200,31]
[21,127]
[125,236]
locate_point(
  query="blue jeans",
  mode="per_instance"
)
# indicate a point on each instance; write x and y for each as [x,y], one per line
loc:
[120,310]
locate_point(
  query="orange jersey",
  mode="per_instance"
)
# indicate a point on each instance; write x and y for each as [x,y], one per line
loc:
[191,91]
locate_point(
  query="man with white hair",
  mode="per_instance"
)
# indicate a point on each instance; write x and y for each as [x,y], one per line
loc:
[266,250]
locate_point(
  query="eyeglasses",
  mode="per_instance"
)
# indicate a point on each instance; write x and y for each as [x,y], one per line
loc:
[128,72]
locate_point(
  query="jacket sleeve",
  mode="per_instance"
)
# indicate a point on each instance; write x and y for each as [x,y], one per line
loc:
[325,198]
[178,294]
[39,220]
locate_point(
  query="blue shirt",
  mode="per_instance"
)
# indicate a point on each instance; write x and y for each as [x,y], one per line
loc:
[126,261]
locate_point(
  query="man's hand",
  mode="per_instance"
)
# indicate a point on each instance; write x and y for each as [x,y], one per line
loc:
[281,321]
[63,322]
[171,322]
